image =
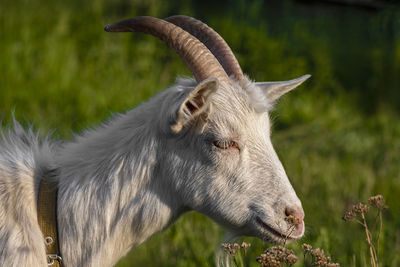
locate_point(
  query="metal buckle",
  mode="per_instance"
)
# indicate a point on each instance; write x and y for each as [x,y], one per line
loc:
[53,257]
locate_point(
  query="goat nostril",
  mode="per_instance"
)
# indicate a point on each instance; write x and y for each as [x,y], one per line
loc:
[297,213]
[287,212]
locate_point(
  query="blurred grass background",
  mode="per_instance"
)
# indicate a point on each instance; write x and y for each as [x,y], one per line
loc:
[338,135]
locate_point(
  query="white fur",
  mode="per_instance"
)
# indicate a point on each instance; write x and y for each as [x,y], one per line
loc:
[132,177]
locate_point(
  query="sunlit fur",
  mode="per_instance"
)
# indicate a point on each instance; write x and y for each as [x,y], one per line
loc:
[132,177]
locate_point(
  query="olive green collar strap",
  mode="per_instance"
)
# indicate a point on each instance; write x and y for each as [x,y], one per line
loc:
[47,218]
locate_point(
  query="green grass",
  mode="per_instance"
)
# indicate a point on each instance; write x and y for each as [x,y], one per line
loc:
[338,135]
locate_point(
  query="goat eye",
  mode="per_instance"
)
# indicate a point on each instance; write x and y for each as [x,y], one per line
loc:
[225,144]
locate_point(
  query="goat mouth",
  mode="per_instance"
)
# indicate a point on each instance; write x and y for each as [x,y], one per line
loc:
[274,234]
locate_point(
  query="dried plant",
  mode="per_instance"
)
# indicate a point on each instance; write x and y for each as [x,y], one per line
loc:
[231,248]
[318,257]
[234,249]
[276,257]
[245,246]
[358,214]
[293,223]
[279,256]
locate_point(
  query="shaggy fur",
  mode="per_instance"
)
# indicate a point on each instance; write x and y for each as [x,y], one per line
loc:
[132,177]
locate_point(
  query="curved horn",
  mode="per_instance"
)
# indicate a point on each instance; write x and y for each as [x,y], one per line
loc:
[212,40]
[196,56]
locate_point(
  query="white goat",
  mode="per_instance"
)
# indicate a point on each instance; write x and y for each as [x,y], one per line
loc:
[199,145]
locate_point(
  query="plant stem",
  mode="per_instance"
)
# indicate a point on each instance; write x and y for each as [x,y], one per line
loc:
[371,250]
[379,235]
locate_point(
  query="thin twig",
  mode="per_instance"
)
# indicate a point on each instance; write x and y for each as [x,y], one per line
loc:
[371,251]
[379,234]
[288,233]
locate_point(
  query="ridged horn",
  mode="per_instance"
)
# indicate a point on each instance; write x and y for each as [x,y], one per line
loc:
[212,40]
[194,53]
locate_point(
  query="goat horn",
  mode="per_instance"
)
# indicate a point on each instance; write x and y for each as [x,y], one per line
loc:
[194,53]
[212,40]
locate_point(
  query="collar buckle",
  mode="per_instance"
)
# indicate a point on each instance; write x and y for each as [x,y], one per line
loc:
[53,257]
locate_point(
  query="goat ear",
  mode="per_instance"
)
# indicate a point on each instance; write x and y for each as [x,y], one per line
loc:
[274,90]
[194,104]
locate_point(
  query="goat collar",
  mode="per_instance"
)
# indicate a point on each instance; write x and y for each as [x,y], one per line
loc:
[47,219]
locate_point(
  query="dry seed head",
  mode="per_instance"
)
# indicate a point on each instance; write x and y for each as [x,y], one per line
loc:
[292,259]
[225,246]
[318,257]
[245,246]
[292,220]
[232,249]
[275,256]
[377,201]
[306,247]
[360,208]
[318,252]
[349,216]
